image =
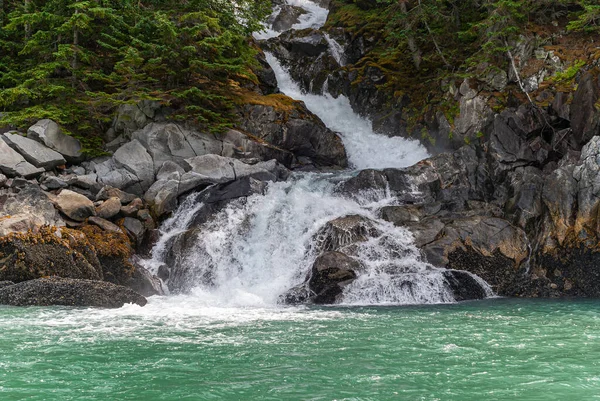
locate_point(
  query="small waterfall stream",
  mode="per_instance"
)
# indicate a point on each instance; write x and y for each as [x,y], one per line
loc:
[257,248]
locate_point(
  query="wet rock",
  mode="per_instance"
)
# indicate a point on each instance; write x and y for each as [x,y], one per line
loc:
[144,283]
[286,18]
[34,152]
[75,206]
[464,286]
[49,133]
[69,292]
[54,183]
[29,256]
[330,273]
[301,133]
[344,231]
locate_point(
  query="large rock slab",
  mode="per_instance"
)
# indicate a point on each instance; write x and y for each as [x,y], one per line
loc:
[49,133]
[14,165]
[34,152]
[134,158]
[75,206]
[69,292]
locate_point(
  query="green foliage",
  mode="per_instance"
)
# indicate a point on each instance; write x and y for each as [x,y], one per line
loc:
[588,20]
[570,73]
[75,62]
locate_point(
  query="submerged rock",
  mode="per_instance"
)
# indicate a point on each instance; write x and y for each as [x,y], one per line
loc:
[69,292]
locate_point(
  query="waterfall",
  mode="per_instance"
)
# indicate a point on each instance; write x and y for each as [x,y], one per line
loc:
[257,248]
[365,148]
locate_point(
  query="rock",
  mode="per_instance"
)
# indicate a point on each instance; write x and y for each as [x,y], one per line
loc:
[131,117]
[474,113]
[143,282]
[301,132]
[286,18]
[54,183]
[131,209]
[34,152]
[162,196]
[104,224]
[464,286]
[170,171]
[108,192]
[14,165]
[344,231]
[110,208]
[114,252]
[69,292]
[109,174]
[74,205]
[27,210]
[135,229]
[330,273]
[489,247]
[585,118]
[49,133]
[3,180]
[86,181]
[29,256]
[134,158]
[5,283]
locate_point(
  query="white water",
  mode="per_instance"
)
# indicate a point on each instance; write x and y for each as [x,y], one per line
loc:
[257,248]
[365,148]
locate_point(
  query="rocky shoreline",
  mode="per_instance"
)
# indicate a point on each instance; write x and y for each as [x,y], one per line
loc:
[517,205]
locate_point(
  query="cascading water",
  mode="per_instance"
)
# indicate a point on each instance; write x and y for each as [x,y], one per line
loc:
[257,248]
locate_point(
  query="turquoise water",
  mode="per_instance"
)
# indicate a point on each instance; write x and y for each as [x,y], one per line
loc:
[176,349]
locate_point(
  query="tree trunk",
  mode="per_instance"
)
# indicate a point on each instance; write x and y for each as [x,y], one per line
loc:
[412,43]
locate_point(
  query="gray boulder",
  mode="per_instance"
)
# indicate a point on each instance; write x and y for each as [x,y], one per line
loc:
[28,209]
[69,292]
[49,133]
[14,165]
[134,158]
[34,152]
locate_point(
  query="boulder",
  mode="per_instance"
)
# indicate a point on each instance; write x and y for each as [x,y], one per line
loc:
[29,209]
[14,165]
[109,208]
[75,206]
[343,231]
[286,18]
[330,273]
[27,256]
[34,152]
[49,133]
[135,229]
[162,196]
[69,292]
[134,158]
[293,129]
[143,282]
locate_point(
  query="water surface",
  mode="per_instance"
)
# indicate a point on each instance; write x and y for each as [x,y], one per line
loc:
[175,348]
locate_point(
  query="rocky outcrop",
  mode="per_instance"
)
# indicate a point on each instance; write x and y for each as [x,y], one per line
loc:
[34,152]
[294,129]
[49,133]
[69,292]
[51,252]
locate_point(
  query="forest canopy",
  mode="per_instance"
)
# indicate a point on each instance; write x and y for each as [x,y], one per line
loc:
[76,61]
